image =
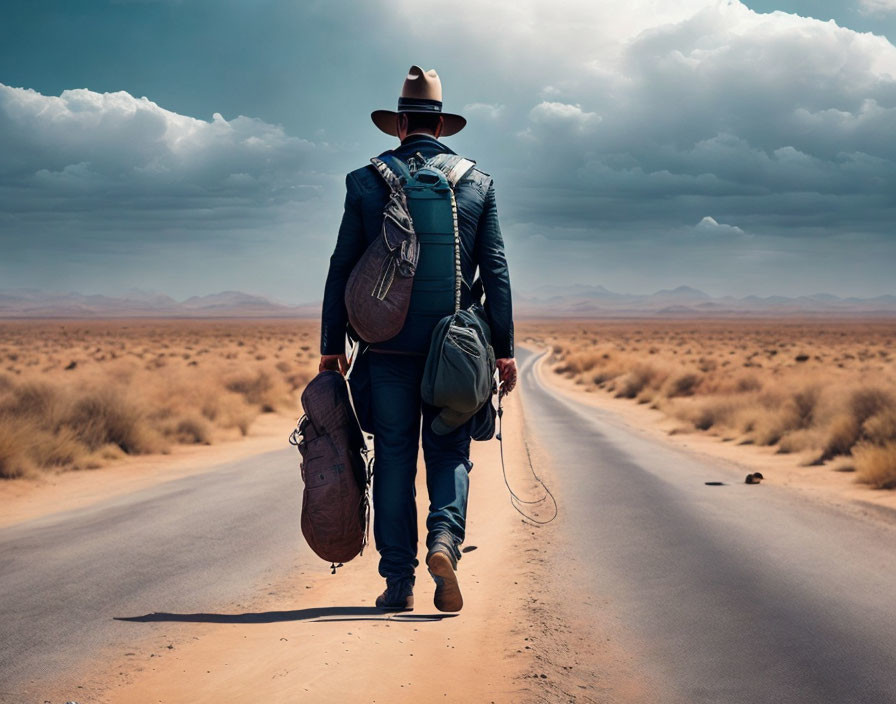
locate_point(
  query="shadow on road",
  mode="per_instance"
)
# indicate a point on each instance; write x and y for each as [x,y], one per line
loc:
[319,614]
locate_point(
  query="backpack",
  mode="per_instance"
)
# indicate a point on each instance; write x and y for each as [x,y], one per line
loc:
[408,278]
[335,471]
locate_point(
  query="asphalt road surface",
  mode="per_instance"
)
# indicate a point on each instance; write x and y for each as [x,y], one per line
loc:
[172,547]
[732,593]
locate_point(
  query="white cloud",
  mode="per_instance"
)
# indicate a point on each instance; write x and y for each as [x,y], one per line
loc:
[564,116]
[709,225]
[872,7]
[112,154]
[488,111]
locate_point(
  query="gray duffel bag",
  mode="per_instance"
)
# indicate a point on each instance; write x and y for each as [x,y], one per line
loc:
[460,367]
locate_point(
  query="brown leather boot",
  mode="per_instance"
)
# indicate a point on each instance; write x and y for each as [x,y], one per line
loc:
[399,595]
[442,566]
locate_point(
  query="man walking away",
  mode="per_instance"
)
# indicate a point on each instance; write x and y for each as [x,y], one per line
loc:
[395,366]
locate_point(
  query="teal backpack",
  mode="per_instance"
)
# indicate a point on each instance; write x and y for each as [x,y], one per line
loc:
[409,278]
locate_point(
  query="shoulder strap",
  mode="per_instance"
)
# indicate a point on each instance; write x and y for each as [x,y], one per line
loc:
[454,166]
[392,170]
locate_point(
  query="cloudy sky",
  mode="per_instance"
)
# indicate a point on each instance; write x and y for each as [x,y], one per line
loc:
[194,146]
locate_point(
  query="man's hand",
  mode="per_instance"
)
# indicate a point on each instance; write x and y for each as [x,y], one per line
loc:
[335,362]
[507,373]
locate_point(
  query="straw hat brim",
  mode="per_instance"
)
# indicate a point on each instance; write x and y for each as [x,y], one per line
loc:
[385,121]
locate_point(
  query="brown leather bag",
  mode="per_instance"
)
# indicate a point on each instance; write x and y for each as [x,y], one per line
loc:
[335,471]
[378,290]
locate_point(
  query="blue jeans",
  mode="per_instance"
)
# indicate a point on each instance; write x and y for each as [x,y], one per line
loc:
[397,409]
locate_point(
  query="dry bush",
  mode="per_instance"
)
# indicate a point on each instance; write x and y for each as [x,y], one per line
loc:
[637,380]
[710,413]
[104,416]
[876,465]
[259,388]
[193,429]
[76,394]
[14,451]
[881,428]
[820,388]
[682,384]
[840,436]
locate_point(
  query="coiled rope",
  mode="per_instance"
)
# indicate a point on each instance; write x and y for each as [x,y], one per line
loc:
[515,500]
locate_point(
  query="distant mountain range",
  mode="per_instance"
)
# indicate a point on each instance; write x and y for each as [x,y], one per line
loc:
[577,300]
[582,300]
[32,303]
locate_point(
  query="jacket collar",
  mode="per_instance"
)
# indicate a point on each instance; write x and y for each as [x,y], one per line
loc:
[416,142]
[419,138]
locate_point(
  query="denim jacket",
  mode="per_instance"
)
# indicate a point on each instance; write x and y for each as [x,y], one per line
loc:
[481,246]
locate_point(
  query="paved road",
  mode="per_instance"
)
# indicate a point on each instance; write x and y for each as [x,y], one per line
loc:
[171,547]
[730,593]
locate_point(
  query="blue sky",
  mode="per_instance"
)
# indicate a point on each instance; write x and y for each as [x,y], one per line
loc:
[194,146]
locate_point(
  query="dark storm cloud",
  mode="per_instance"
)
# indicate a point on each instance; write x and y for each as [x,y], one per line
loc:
[665,139]
[776,120]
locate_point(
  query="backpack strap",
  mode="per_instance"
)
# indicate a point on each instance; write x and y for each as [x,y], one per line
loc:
[454,166]
[392,170]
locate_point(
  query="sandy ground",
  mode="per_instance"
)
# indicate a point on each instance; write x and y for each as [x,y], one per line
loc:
[791,470]
[313,636]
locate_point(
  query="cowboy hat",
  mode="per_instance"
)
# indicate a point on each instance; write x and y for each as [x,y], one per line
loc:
[422,93]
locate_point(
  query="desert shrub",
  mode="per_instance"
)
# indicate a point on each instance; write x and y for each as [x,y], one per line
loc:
[710,413]
[635,381]
[193,429]
[876,465]
[869,401]
[259,388]
[14,446]
[604,376]
[707,365]
[747,382]
[62,448]
[773,424]
[881,428]
[250,385]
[33,400]
[802,405]
[575,363]
[870,415]
[682,384]
[798,441]
[104,416]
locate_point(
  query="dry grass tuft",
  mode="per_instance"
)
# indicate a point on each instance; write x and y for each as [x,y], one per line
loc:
[193,429]
[104,417]
[876,465]
[634,382]
[14,459]
[842,434]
